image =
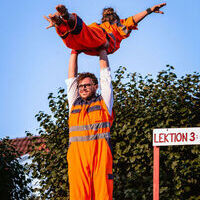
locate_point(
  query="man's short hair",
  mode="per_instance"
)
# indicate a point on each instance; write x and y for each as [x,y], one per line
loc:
[81,76]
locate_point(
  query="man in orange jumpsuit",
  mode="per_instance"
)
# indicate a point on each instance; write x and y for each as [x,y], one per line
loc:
[89,39]
[89,155]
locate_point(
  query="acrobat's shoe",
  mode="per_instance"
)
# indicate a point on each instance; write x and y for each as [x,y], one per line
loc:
[63,12]
[55,18]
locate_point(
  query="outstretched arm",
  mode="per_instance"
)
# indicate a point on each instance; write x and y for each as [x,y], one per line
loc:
[73,64]
[103,59]
[140,16]
[72,91]
[105,81]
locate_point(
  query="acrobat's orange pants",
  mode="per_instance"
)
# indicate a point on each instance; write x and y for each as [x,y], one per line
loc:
[86,38]
[90,170]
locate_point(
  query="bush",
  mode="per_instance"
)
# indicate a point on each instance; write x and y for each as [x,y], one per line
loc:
[13,181]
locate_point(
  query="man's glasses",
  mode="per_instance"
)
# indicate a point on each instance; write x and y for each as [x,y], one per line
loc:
[83,86]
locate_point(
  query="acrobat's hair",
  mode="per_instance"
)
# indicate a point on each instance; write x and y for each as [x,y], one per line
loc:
[109,15]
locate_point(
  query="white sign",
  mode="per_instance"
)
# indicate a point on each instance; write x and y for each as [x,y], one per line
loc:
[176,136]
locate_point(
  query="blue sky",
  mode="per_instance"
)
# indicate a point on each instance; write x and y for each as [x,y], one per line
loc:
[34,60]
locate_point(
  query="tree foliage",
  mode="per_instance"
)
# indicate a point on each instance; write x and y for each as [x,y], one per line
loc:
[49,164]
[141,104]
[13,181]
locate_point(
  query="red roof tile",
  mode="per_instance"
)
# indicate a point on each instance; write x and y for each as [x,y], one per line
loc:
[24,145]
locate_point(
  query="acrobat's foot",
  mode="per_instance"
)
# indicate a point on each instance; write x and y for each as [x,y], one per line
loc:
[63,12]
[55,18]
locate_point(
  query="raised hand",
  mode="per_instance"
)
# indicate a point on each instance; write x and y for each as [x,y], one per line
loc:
[53,20]
[156,8]
[51,23]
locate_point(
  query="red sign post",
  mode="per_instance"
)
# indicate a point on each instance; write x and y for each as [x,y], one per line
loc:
[167,137]
[156,172]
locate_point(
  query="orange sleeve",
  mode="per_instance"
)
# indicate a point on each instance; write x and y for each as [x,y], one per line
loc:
[125,26]
[129,23]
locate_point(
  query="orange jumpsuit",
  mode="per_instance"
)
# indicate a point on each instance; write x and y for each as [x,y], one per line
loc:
[89,155]
[90,38]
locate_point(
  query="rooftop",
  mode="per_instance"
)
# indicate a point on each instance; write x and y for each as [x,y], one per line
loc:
[25,145]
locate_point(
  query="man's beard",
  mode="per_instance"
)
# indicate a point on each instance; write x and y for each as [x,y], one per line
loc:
[91,96]
[93,93]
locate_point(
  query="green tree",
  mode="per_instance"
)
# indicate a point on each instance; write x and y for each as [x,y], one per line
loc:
[49,164]
[13,181]
[141,104]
